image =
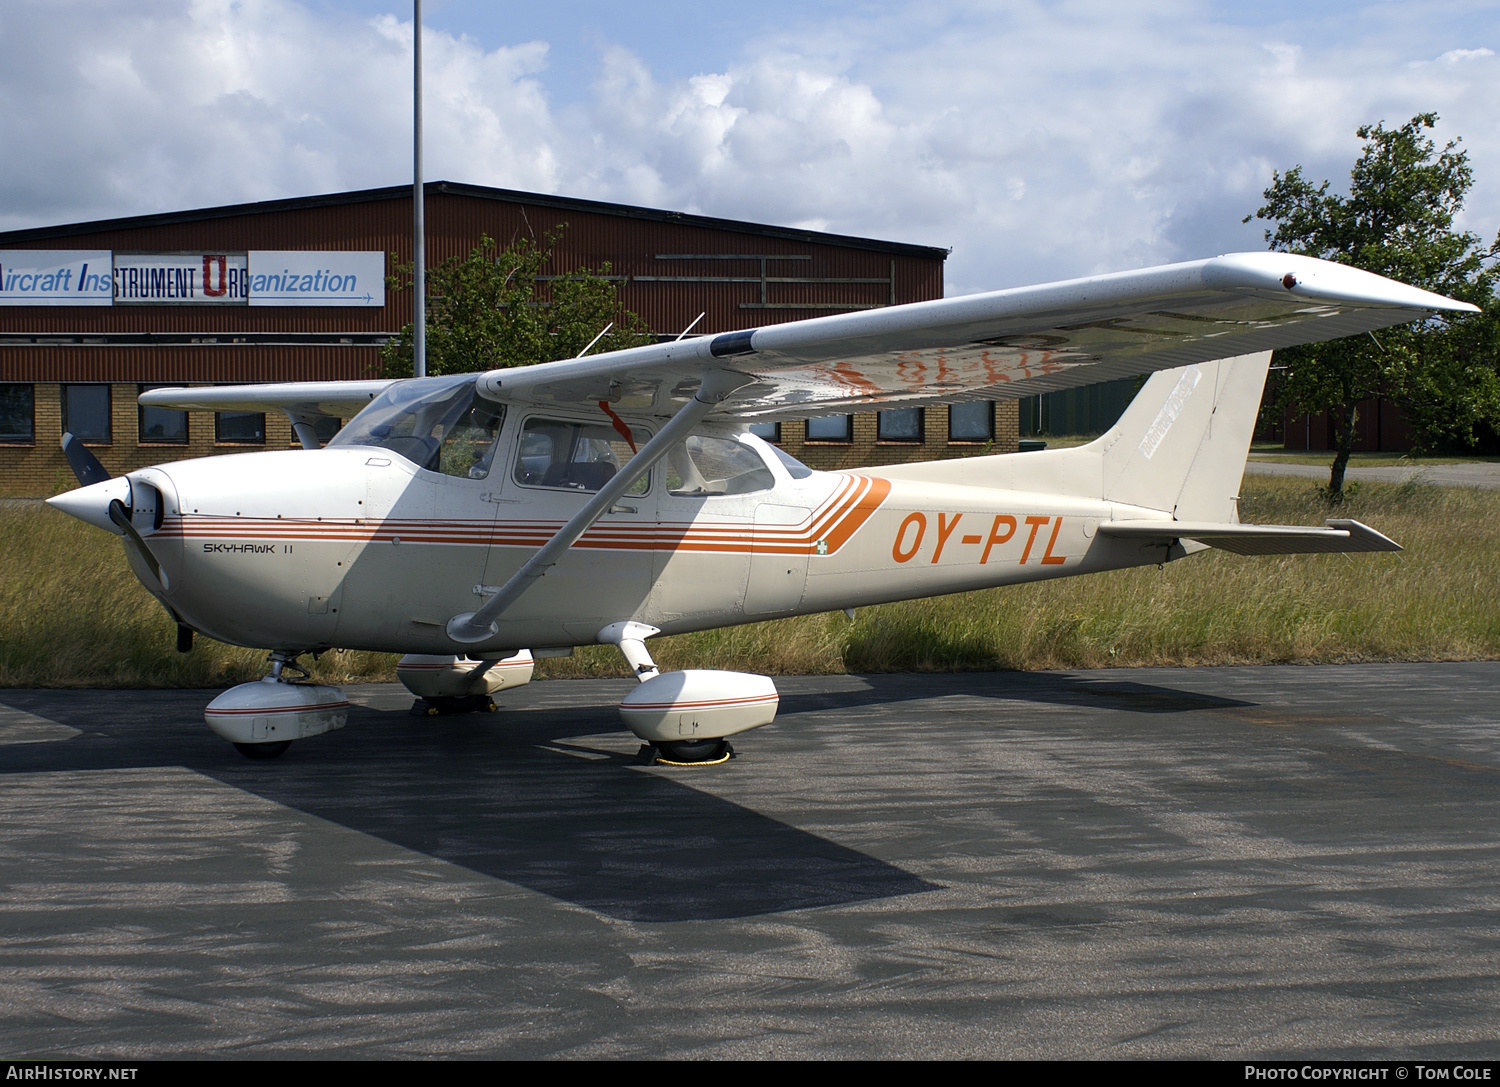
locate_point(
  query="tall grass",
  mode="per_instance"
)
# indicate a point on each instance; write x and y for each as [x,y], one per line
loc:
[73,614]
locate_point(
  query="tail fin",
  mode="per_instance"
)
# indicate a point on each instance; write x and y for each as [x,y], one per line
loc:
[1182,443]
[1180,447]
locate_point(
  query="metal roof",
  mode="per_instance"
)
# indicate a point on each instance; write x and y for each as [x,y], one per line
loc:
[481,192]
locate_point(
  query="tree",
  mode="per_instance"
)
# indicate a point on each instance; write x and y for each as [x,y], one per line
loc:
[1396,221]
[491,310]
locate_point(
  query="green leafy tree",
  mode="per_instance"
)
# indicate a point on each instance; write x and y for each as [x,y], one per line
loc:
[491,310]
[1396,221]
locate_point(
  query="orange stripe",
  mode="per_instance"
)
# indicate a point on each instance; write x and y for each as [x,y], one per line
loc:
[278,709]
[703,705]
[835,522]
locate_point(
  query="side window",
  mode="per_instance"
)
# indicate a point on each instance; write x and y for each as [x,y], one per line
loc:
[575,456]
[704,466]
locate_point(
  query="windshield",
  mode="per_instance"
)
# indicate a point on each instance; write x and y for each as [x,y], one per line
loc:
[794,467]
[436,423]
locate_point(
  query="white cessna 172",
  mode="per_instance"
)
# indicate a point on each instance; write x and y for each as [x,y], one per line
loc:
[471,520]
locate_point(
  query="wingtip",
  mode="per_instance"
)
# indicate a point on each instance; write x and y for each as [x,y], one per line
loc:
[1325,281]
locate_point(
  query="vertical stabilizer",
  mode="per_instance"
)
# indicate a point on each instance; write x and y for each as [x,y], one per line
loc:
[1182,443]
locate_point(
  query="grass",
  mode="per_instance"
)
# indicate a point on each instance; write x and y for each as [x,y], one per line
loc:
[75,616]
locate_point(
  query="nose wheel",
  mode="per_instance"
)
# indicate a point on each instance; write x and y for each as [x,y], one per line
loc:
[688,752]
[263,751]
[262,719]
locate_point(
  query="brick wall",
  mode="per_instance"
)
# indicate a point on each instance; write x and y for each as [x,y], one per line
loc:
[866,449]
[40,470]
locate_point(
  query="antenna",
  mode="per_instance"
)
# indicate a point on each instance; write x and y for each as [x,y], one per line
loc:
[595,340]
[689,328]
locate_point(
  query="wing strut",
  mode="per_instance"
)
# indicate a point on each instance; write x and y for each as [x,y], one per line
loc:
[469,628]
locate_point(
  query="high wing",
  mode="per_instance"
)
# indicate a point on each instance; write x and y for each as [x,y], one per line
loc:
[1002,345]
[333,399]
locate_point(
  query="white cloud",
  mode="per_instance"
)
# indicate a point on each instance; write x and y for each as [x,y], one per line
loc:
[1457,56]
[1040,140]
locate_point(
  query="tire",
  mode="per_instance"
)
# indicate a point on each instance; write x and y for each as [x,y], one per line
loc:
[263,751]
[473,703]
[692,750]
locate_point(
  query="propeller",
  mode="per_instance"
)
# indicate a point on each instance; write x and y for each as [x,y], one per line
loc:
[85,465]
[121,517]
[90,472]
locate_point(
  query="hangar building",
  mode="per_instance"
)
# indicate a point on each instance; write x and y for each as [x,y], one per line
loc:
[91,314]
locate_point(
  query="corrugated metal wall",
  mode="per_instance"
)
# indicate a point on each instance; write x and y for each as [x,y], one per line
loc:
[181,365]
[799,278]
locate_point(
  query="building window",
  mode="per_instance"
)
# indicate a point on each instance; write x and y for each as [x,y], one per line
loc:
[326,427]
[162,426]
[771,432]
[85,413]
[971,422]
[240,427]
[830,428]
[900,425]
[18,414]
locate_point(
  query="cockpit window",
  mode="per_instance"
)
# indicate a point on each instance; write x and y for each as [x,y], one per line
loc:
[575,456]
[794,467]
[704,466]
[436,423]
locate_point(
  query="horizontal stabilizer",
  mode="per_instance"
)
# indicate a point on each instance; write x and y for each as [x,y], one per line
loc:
[1340,535]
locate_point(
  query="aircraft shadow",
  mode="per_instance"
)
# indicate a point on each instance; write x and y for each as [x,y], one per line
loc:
[1054,688]
[502,799]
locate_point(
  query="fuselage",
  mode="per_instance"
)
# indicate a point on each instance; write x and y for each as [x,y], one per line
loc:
[359,547]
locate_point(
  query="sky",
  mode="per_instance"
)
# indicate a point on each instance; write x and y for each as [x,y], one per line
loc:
[1037,140]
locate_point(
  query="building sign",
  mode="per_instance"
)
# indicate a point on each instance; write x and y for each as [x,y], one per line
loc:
[314,278]
[182,278]
[77,277]
[54,277]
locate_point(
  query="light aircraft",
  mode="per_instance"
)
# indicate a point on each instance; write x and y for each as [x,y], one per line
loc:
[475,521]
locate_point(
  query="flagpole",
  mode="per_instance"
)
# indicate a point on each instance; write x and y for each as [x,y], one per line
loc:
[418,199]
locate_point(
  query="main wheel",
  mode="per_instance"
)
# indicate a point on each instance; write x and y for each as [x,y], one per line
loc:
[263,751]
[715,750]
[443,705]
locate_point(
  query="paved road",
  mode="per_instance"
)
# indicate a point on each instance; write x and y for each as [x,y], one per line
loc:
[1146,863]
[1485,475]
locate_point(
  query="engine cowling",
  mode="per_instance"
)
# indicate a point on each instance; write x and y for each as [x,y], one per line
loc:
[699,704]
[433,677]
